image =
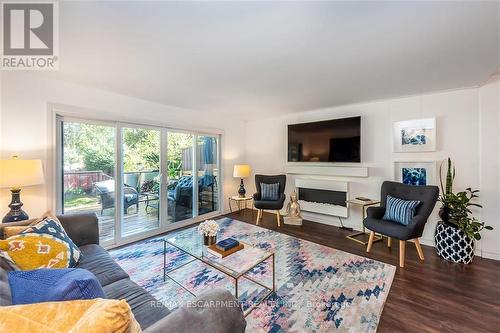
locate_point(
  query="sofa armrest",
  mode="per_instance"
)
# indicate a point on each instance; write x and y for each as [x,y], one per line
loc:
[256,196]
[375,212]
[83,228]
[215,311]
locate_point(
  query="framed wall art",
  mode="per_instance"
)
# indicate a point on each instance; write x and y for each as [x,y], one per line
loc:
[414,135]
[416,173]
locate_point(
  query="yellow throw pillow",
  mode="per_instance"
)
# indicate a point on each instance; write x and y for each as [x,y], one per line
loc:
[44,245]
[82,316]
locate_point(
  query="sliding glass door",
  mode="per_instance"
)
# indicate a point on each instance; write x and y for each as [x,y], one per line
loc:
[88,163]
[180,177]
[208,169]
[139,180]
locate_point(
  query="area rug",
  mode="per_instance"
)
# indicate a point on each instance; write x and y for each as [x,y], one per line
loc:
[319,289]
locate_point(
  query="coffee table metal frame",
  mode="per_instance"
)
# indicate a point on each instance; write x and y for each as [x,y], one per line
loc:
[222,269]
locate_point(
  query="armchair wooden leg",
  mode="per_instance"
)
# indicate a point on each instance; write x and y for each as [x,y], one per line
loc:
[259,214]
[370,241]
[389,241]
[278,217]
[402,244]
[419,249]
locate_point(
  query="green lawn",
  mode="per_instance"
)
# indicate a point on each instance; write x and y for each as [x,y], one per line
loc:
[80,201]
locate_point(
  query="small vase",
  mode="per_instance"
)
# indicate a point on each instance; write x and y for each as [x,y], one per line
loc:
[209,240]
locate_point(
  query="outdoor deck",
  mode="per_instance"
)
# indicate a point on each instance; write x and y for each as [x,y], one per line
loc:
[135,221]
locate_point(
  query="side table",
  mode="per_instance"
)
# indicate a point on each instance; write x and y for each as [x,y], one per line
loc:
[241,201]
[362,234]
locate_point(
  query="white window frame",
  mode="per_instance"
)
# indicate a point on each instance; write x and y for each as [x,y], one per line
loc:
[60,113]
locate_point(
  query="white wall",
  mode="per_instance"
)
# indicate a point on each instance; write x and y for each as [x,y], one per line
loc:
[458,123]
[489,118]
[25,127]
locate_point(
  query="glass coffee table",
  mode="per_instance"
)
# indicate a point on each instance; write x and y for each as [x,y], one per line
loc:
[236,266]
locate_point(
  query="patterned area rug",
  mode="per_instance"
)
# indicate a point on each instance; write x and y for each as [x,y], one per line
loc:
[319,289]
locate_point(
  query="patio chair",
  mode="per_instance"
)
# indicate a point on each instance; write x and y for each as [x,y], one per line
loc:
[106,192]
[131,179]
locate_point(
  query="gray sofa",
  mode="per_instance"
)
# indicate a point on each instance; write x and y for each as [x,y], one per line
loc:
[213,311]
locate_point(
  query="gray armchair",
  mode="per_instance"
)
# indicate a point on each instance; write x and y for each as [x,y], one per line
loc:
[427,195]
[269,204]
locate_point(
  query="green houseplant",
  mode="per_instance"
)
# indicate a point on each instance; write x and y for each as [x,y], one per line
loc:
[458,228]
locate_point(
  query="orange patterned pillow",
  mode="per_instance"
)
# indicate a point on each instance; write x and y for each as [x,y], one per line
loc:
[82,316]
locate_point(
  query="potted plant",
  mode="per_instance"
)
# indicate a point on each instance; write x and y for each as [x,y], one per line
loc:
[458,229]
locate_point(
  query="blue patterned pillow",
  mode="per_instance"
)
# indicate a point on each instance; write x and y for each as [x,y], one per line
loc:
[269,192]
[53,285]
[399,210]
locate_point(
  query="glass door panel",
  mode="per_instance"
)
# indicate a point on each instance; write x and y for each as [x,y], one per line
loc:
[208,200]
[88,162]
[141,180]
[180,181]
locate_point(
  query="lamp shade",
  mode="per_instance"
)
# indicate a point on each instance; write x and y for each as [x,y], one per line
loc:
[241,171]
[16,173]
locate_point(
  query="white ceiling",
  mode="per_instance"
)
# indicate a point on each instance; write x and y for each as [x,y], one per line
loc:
[252,59]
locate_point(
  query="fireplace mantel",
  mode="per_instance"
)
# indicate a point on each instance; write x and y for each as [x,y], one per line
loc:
[326,169]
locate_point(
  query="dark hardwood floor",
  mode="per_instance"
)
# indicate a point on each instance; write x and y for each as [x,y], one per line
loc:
[428,296]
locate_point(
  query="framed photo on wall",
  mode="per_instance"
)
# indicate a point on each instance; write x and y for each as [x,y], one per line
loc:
[416,173]
[414,135]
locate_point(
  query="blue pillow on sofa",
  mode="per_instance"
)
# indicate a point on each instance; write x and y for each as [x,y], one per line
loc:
[50,285]
[399,210]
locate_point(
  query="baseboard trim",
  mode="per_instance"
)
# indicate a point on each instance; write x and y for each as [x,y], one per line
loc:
[487,254]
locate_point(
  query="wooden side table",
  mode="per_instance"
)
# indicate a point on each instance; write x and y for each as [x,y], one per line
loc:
[364,205]
[241,201]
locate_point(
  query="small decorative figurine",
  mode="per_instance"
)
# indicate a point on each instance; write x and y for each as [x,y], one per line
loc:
[293,211]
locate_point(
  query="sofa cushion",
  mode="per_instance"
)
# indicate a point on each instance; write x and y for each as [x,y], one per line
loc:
[97,260]
[5,295]
[389,228]
[146,309]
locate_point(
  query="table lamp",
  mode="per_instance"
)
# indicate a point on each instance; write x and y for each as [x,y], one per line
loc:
[14,174]
[241,171]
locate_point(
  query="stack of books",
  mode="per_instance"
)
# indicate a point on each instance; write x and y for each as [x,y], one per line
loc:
[225,247]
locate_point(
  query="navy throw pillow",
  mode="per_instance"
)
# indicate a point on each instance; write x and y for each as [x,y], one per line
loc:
[399,210]
[52,285]
[269,192]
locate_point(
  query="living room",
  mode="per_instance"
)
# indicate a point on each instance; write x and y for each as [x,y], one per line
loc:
[346,157]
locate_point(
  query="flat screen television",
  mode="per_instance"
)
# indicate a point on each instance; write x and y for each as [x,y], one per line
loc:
[336,140]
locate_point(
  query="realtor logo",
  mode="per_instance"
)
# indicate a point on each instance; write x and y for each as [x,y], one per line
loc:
[30,36]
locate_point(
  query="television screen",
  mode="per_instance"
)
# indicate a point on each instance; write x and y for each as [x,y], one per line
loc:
[336,140]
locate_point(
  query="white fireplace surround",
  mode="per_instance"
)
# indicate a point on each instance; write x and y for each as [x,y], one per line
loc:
[323,184]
